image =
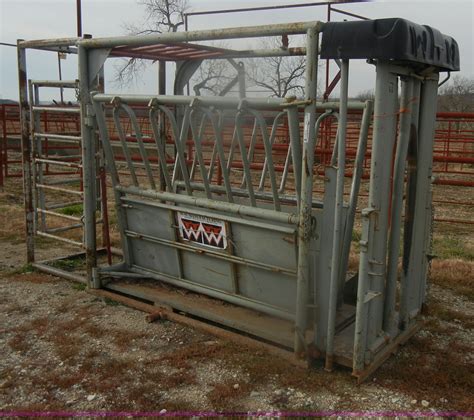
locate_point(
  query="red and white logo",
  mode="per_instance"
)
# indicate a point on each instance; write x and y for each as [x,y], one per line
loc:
[202,230]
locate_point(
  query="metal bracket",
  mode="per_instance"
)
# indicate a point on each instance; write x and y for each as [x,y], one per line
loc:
[96,60]
[371,295]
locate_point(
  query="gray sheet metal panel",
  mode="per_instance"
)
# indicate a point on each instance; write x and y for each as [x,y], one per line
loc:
[404,135]
[155,222]
[273,288]
[384,132]
[263,245]
[208,271]
[413,292]
[269,287]
[154,257]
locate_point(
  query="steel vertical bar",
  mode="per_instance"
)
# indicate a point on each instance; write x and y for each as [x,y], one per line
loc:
[271,141]
[123,142]
[414,280]
[305,217]
[200,134]
[26,154]
[338,219]
[79,18]
[245,161]
[105,215]
[89,165]
[3,142]
[180,140]
[404,134]
[427,134]
[295,145]
[197,138]
[141,147]
[383,139]
[253,140]
[354,194]
[33,119]
[362,309]
[410,202]
[286,170]
[160,141]
[37,151]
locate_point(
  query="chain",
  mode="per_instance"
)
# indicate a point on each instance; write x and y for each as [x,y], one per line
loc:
[78,92]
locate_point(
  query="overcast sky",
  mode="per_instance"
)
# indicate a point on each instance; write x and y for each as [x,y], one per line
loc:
[36,19]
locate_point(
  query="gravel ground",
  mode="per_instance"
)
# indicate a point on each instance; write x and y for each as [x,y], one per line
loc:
[65,349]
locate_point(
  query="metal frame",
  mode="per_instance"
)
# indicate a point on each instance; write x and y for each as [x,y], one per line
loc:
[301,285]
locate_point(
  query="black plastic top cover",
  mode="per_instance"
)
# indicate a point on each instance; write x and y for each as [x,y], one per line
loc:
[393,39]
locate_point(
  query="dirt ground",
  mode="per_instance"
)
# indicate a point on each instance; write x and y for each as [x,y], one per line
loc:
[64,349]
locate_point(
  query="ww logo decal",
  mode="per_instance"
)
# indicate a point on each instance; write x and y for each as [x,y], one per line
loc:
[202,230]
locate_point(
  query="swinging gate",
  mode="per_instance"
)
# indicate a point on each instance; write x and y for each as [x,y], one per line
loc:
[206,211]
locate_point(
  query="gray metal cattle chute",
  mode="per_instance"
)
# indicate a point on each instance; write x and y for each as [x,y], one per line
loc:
[252,242]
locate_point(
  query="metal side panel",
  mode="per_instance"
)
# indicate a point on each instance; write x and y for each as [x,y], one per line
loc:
[275,249]
[248,259]
[146,220]
[207,271]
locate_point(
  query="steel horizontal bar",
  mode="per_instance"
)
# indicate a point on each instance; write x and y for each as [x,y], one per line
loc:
[62,180]
[64,228]
[222,102]
[59,238]
[218,255]
[275,52]
[61,215]
[226,217]
[240,192]
[52,42]
[55,83]
[58,163]
[64,190]
[260,8]
[65,110]
[241,210]
[298,28]
[60,273]
[59,137]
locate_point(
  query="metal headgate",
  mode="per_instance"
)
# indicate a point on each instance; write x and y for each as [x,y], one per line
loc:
[256,238]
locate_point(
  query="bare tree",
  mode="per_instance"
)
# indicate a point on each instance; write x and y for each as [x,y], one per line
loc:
[457,95]
[366,95]
[280,76]
[162,16]
[211,77]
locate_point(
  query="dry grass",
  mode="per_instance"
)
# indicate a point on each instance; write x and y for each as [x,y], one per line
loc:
[32,277]
[224,396]
[455,274]
[12,226]
[444,313]
[427,371]
[123,338]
